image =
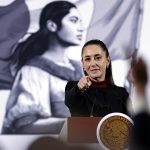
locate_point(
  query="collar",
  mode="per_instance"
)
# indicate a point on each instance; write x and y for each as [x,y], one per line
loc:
[57,70]
[101,84]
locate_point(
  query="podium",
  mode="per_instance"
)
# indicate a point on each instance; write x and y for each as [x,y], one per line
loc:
[80,130]
[110,132]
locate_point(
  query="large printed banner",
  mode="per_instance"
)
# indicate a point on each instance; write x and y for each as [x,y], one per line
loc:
[32,98]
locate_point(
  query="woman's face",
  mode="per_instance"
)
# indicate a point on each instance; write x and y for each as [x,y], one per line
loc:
[95,61]
[71,30]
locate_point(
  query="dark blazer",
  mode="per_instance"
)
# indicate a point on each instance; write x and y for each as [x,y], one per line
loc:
[96,100]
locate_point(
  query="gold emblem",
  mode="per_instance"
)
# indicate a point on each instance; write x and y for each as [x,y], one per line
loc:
[114,130]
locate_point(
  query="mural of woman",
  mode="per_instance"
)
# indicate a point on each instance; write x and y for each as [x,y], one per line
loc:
[36,102]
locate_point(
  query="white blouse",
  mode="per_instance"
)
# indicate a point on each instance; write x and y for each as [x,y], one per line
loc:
[35,92]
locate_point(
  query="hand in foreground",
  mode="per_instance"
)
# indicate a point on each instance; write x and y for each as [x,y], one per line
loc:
[84,83]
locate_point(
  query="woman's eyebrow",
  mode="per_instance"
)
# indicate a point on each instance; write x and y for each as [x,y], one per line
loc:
[97,55]
[74,17]
[87,56]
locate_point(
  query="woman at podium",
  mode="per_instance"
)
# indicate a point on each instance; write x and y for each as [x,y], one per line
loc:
[95,94]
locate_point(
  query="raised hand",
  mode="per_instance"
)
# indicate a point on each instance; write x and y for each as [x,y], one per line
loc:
[84,83]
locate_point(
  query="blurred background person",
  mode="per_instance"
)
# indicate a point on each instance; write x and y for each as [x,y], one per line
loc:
[140,114]
[47,143]
[95,94]
[141,132]
[42,69]
[139,79]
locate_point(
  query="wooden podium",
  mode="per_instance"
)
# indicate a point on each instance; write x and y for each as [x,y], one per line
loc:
[110,132]
[80,130]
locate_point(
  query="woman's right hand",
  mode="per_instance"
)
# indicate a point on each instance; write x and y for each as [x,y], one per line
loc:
[84,83]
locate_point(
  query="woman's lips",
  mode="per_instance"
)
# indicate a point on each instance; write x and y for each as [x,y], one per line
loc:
[94,69]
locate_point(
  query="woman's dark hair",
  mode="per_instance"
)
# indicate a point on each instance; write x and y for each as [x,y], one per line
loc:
[38,42]
[108,77]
